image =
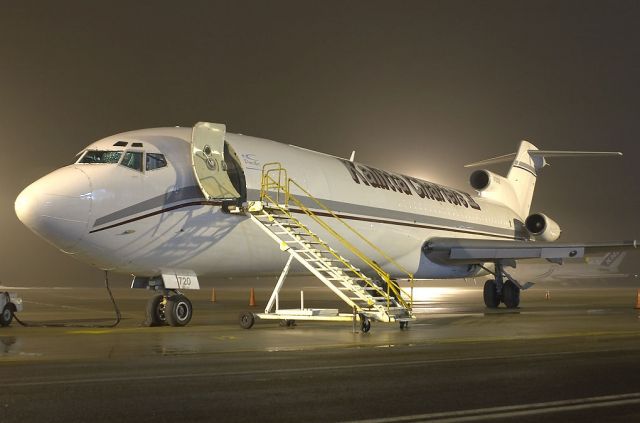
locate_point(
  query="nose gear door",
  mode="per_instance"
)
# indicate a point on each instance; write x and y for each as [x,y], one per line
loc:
[207,158]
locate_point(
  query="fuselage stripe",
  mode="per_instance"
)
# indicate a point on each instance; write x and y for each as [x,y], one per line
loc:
[319,213]
[157,212]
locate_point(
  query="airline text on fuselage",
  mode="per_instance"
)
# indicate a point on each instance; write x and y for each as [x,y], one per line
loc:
[408,185]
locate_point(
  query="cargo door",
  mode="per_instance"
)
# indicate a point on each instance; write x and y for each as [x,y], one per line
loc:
[207,158]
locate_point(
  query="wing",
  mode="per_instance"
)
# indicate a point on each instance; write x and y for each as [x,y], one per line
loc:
[469,251]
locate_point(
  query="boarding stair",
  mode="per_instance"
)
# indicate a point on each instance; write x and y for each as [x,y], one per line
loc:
[370,293]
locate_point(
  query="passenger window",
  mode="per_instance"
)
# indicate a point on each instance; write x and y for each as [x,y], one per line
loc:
[155,161]
[133,160]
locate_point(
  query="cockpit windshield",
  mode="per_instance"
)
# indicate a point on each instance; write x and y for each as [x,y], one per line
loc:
[95,156]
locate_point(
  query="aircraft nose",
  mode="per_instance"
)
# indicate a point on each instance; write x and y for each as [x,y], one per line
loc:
[57,207]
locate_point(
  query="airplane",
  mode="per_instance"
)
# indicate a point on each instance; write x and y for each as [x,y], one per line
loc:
[169,205]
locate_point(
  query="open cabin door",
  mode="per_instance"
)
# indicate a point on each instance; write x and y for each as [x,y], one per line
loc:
[207,158]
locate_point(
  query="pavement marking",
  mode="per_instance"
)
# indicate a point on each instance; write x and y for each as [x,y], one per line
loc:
[634,333]
[257,372]
[522,410]
[90,331]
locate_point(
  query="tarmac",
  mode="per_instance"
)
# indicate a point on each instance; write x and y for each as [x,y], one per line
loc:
[567,354]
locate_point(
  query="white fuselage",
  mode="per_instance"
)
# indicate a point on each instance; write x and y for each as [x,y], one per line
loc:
[142,222]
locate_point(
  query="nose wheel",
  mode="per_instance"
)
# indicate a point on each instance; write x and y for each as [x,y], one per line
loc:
[172,309]
[178,310]
[6,316]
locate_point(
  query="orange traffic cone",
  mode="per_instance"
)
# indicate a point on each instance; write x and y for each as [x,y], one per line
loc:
[638,300]
[252,298]
[213,295]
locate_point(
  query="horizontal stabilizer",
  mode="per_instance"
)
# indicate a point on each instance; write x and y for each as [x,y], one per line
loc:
[478,251]
[550,153]
[500,159]
[544,154]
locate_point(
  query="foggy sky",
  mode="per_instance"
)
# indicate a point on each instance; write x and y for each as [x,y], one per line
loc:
[417,87]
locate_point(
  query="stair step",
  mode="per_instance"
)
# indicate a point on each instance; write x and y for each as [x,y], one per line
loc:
[304,233]
[302,241]
[308,250]
[340,279]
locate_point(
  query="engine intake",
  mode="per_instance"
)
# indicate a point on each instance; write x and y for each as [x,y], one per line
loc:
[542,227]
[480,179]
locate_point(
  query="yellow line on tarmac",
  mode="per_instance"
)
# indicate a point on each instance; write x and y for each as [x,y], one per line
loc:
[90,332]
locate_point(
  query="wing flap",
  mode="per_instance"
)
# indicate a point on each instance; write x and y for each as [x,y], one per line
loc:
[461,250]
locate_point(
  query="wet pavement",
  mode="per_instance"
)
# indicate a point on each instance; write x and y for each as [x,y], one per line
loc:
[571,357]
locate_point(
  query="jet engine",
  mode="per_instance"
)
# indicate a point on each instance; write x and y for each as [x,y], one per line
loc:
[493,187]
[481,179]
[542,227]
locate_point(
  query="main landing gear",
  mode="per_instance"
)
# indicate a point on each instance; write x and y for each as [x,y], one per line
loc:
[169,308]
[498,290]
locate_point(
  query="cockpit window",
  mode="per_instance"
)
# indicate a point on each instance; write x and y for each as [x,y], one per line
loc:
[94,156]
[155,161]
[133,160]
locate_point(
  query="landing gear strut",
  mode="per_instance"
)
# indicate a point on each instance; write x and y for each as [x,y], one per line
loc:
[497,290]
[170,308]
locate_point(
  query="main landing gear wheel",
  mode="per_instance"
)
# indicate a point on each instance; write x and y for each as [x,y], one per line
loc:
[404,325]
[365,325]
[491,297]
[7,315]
[156,307]
[247,320]
[178,310]
[511,294]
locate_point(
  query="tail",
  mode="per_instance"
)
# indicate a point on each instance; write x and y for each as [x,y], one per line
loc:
[613,260]
[521,179]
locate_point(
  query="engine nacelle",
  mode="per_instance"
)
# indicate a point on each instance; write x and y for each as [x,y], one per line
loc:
[542,227]
[493,187]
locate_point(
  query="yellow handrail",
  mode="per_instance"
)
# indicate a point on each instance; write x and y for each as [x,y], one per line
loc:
[281,189]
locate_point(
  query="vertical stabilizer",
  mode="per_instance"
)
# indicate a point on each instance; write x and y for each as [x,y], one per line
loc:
[522,176]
